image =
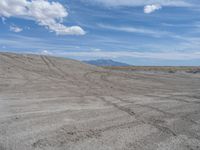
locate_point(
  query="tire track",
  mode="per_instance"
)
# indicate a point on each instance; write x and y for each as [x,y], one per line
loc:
[156,109]
[53,67]
[125,89]
[174,98]
[152,122]
[62,74]
[106,83]
[64,136]
[14,65]
[50,68]
[121,108]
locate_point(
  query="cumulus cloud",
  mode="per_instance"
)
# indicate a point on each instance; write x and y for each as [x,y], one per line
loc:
[15,28]
[45,13]
[181,3]
[151,8]
[46,52]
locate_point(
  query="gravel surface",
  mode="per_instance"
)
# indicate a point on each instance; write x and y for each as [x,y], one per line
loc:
[49,103]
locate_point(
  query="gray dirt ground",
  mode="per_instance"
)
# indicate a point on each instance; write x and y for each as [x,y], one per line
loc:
[49,103]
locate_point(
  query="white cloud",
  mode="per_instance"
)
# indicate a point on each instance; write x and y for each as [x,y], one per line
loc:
[45,13]
[96,49]
[180,3]
[131,54]
[15,28]
[151,8]
[150,32]
[46,52]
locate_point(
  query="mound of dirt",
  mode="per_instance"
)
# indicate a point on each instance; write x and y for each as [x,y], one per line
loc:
[50,103]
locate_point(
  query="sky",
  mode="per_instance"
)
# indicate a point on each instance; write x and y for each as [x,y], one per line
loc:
[138,32]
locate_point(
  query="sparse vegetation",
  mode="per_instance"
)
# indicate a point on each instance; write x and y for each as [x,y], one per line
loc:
[167,69]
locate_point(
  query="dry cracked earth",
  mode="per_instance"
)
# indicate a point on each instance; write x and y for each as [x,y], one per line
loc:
[49,103]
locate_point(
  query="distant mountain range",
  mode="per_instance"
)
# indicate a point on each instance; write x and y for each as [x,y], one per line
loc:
[105,62]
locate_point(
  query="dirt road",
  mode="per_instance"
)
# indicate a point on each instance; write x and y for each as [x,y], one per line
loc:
[49,103]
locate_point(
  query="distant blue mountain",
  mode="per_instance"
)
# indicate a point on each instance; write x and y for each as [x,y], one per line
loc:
[105,62]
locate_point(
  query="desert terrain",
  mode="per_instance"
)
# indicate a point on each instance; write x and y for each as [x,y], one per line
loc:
[50,103]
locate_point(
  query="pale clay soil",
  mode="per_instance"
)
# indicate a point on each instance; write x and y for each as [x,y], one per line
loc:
[49,103]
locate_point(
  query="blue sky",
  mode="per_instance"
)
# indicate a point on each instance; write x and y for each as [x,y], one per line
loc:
[138,32]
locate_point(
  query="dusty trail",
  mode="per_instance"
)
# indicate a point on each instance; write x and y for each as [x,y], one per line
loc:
[49,103]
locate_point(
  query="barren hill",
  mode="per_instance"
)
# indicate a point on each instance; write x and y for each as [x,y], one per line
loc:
[49,103]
